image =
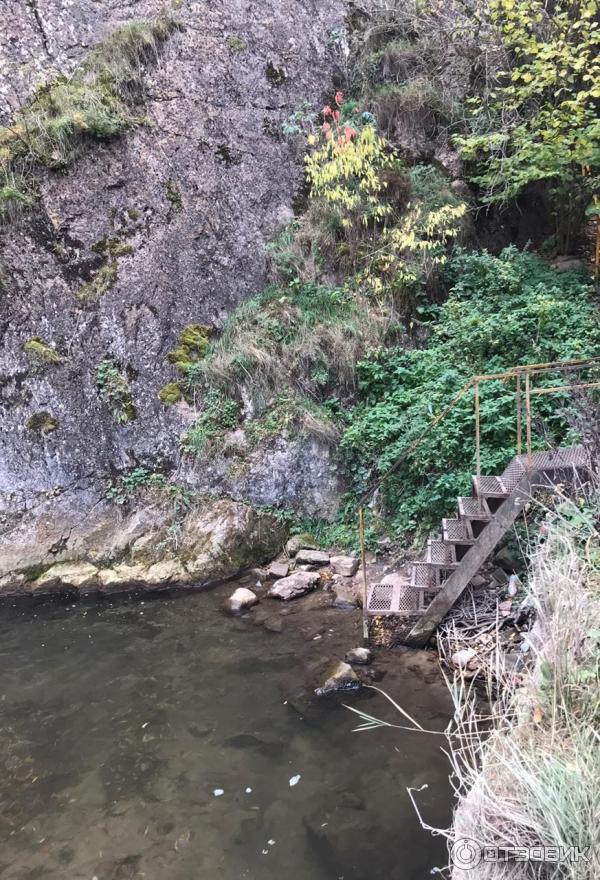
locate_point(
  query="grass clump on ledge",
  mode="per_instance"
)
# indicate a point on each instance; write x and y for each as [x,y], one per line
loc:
[113,389]
[306,338]
[64,116]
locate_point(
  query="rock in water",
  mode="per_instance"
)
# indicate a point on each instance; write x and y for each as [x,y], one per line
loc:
[295,585]
[359,656]
[347,566]
[341,678]
[312,557]
[240,601]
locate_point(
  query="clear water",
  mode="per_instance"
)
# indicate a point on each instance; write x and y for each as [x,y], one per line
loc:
[119,721]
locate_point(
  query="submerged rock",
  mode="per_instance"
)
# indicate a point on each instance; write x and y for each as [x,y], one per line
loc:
[341,678]
[359,656]
[295,585]
[241,600]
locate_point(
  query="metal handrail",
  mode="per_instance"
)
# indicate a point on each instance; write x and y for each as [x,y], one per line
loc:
[517,372]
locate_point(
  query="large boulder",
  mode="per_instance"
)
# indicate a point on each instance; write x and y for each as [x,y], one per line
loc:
[295,585]
[108,550]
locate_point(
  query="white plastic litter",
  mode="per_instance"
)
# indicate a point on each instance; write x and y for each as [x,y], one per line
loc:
[218,792]
[295,780]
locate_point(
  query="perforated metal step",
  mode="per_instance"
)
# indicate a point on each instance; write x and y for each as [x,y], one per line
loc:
[457,531]
[441,554]
[489,487]
[425,577]
[474,508]
[394,599]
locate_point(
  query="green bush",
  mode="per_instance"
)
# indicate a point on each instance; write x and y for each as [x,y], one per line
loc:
[501,311]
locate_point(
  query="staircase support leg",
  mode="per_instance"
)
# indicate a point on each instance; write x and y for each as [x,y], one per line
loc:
[471,562]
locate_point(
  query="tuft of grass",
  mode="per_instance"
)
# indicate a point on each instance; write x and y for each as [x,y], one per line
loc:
[94,103]
[101,283]
[113,389]
[304,338]
[220,414]
[15,195]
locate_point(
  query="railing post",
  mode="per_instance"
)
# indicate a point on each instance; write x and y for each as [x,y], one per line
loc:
[528,417]
[477,433]
[363,560]
[519,425]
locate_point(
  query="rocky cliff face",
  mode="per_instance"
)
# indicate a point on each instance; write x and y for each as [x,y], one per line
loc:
[169,224]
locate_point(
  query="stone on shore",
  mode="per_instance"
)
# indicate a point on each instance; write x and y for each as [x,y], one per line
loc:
[278,570]
[359,656]
[340,678]
[68,574]
[347,566]
[295,585]
[312,557]
[240,601]
[299,542]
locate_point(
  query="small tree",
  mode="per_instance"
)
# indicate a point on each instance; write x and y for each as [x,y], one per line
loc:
[539,121]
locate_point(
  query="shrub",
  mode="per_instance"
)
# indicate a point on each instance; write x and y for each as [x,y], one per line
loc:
[501,311]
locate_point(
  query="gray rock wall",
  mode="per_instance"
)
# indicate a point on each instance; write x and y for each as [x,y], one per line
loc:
[212,138]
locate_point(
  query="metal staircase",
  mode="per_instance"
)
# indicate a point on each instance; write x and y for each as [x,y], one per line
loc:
[449,564]
[482,519]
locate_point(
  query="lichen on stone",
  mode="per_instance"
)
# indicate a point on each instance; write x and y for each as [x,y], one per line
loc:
[235,43]
[173,194]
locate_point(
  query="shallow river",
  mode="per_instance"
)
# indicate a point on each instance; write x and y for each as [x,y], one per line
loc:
[122,721]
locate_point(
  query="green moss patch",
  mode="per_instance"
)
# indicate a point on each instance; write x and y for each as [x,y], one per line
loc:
[100,284]
[42,422]
[235,43]
[40,353]
[170,394]
[194,342]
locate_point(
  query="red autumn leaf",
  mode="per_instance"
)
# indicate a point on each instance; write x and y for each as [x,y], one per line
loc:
[327,111]
[336,115]
[339,98]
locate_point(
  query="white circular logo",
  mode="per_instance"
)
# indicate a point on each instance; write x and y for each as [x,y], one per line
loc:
[466,853]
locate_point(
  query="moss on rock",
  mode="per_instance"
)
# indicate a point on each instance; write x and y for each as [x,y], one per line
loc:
[101,283]
[170,394]
[42,422]
[40,353]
